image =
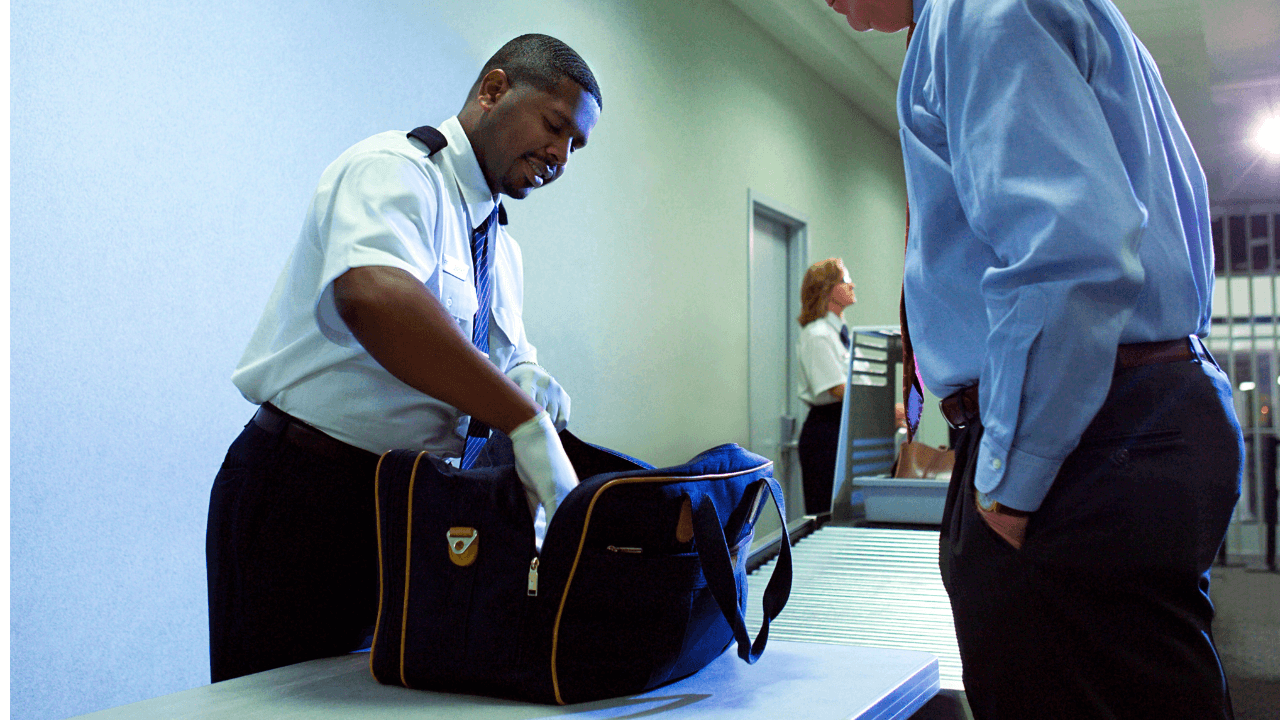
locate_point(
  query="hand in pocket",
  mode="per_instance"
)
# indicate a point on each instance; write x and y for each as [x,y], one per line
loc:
[1013,528]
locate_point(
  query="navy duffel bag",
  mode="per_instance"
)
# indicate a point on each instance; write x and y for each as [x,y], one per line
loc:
[641,579]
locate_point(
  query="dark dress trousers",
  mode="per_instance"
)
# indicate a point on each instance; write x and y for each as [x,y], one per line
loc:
[292,555]
[1104,612]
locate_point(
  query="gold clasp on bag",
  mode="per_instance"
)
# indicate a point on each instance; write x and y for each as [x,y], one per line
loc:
[464,545]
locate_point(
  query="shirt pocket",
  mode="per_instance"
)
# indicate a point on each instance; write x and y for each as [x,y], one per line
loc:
[508,323]
[459,299]
[1145,440]
[504,337]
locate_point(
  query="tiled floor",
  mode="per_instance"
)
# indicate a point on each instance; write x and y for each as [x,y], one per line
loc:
[1247,632]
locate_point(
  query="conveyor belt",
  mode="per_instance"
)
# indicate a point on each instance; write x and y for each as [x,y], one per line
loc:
[868,587]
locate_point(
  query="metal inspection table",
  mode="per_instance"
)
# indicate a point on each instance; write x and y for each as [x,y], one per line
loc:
[870,587]
[823,682]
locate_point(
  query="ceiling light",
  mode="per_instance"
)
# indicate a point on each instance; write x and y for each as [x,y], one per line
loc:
[1247,385]
[1267,136]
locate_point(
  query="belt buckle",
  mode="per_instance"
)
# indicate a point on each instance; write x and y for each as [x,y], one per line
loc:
[955,410]
[945,405]
[1200,351]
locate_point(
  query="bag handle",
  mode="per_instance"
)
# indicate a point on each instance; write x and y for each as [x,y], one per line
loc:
[713,553]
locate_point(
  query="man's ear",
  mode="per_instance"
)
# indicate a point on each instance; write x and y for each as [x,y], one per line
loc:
[492,87]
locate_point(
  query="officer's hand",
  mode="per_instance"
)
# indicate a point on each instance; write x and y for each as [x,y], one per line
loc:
[542,464]
[544,390]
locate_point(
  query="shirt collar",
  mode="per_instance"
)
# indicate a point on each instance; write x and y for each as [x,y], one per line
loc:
[917,7]
[834,320]
[461,160]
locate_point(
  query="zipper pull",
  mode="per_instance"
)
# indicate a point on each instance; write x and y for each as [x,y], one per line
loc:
[533,577]
[629,550]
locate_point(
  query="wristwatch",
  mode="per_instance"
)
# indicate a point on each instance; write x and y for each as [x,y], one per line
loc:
[990,504]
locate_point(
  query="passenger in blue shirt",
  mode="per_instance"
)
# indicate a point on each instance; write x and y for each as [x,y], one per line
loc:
[1058,280]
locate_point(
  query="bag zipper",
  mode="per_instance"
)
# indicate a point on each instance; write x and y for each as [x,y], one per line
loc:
[628,550]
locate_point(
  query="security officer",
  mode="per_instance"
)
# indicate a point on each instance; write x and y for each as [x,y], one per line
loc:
[397,323]
[823,354]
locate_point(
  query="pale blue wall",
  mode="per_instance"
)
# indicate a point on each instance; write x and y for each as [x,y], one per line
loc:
[162,158]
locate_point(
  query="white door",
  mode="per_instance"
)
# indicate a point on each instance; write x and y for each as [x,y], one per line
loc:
[776,257]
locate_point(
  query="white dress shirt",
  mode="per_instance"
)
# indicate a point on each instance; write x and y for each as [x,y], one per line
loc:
[383,202]
[824,360]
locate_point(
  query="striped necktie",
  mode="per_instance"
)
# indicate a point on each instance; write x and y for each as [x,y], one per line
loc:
[478,432]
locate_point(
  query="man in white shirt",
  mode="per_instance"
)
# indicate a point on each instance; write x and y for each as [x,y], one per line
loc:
[397,323]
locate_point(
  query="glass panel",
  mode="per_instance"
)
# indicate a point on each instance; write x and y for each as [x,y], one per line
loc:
[1238,244]
[1257,226]
[1246,401]
[1261,261]
[1275,237]
[1260,253]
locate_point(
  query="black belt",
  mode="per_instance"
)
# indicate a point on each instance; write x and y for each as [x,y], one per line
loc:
[297,433]
[827,411]
[961,407]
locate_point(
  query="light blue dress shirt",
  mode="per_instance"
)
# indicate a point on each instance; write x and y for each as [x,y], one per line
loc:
[1057,210]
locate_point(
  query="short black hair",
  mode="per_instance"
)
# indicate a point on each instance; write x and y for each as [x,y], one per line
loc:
[542,61]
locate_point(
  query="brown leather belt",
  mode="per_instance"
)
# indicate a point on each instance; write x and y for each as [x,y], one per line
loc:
[961,407]
[297,433]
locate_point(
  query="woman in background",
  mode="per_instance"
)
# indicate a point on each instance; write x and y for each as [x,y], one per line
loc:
[823,351]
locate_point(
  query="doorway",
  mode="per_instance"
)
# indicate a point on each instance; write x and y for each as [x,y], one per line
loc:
[777,251]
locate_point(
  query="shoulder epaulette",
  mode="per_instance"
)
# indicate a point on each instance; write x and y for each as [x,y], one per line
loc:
[431,137]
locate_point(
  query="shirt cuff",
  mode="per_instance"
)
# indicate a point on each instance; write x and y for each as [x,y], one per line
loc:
[1014,478]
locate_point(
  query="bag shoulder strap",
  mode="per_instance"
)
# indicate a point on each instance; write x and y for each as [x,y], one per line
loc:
[713,553]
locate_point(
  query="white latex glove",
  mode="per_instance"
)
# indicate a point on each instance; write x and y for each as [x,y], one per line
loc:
[543,466]
[544,390]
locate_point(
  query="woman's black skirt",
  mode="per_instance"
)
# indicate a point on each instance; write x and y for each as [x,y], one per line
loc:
[818,440]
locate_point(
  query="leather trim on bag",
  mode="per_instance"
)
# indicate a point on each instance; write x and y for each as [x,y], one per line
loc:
[684,526]
[582,540]
[463,545]
[408,549]
[377,516]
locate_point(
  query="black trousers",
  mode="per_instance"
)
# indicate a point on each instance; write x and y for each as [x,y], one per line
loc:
[291,551]
[817,449]
[1104,612]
